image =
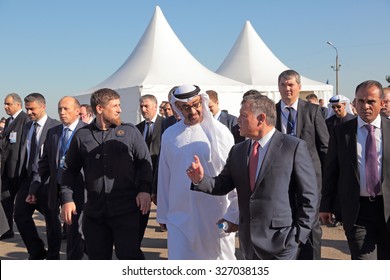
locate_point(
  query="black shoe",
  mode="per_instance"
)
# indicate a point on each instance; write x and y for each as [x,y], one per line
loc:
[7,235]
[41,256]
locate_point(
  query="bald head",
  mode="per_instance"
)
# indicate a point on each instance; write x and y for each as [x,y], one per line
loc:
[68,110]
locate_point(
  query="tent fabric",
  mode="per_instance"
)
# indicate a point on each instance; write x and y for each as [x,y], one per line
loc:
[250,61]
[160,61]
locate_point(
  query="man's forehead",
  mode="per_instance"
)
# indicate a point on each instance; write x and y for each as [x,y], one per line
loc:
[192,101]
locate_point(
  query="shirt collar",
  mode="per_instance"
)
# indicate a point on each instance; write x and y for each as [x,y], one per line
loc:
[266,138]
[72,126]
[17,114]
[42,121]
[294,105]
[376,122]
[217,115]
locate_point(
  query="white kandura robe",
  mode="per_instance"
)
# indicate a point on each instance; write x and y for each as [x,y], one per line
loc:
[191,216]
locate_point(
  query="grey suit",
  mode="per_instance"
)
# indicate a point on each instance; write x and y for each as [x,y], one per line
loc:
[311,127]
[24,211]
[342,181]
[282,208]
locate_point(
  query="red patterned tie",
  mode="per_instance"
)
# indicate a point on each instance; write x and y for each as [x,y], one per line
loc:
[253,161]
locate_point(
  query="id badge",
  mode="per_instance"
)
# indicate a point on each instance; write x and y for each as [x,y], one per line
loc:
[62,162]
[12,137]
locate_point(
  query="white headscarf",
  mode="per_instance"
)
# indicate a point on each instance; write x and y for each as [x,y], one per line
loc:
[339,99]
[216,136]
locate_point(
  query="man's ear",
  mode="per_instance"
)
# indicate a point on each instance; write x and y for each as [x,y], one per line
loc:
[261,118]
[99,109]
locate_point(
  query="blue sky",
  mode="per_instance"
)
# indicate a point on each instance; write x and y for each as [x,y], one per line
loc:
[61,48]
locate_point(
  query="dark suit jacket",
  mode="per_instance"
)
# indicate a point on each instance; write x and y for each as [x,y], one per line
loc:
[231,122]
[341,176]
[23,148]
[48,167]
[282,207]
[154,148]
[333,121]
[10,151]
[311,127]
[167,122]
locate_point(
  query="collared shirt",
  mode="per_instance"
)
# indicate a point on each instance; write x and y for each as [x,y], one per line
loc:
[41,123]
[361,150]
[16,114]
[72,128]
[153,121]
[264,143]
[284,116]
[218,115]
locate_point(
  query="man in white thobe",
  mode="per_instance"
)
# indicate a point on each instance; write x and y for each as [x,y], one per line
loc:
[191,218]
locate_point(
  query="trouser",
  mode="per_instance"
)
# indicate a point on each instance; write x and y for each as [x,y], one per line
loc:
[143,222]
[9,187]
[369,238]
[24,221]
[122,232]
[311,250]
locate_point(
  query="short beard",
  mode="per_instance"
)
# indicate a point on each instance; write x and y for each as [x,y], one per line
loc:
[114,121]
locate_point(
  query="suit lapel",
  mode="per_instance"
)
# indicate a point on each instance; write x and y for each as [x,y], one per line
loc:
[278,117]
[300,117]
[350,138]
[274,147]
[385,148]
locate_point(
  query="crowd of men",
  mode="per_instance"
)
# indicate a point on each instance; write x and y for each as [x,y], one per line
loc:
[273,174]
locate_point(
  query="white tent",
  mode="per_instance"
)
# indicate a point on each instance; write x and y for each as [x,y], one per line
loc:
[251,62]
[159,62]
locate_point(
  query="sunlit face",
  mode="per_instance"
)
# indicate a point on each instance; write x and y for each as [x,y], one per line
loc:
[248,122]
[191,110]
[84,116]
[68,111]
[214,107]
[10,106]
[339,109]
[167,110]
[368,103]
[35,110]
[111,112]
[312,100]
[148,109]
[289,90]
[386,103]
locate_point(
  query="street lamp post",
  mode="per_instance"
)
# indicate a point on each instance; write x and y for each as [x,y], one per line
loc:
[336,67]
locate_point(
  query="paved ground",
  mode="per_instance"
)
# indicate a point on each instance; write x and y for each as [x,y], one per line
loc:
[155,244]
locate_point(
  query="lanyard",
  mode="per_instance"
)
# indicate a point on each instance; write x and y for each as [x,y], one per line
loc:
[66,146]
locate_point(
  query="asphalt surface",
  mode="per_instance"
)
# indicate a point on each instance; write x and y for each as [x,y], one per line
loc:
[154,245]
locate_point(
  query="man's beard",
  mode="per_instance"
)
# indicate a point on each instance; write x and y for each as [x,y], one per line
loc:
[113,121]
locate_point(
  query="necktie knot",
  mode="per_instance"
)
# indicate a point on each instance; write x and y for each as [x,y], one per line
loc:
[370,128]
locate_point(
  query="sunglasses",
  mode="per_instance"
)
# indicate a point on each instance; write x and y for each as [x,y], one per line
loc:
[189,107]
[336,106]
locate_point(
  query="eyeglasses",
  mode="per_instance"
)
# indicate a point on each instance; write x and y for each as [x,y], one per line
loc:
[336,106]
[189,107]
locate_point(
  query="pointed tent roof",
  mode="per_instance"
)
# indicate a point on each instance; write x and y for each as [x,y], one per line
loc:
[250,61]
[161,59]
